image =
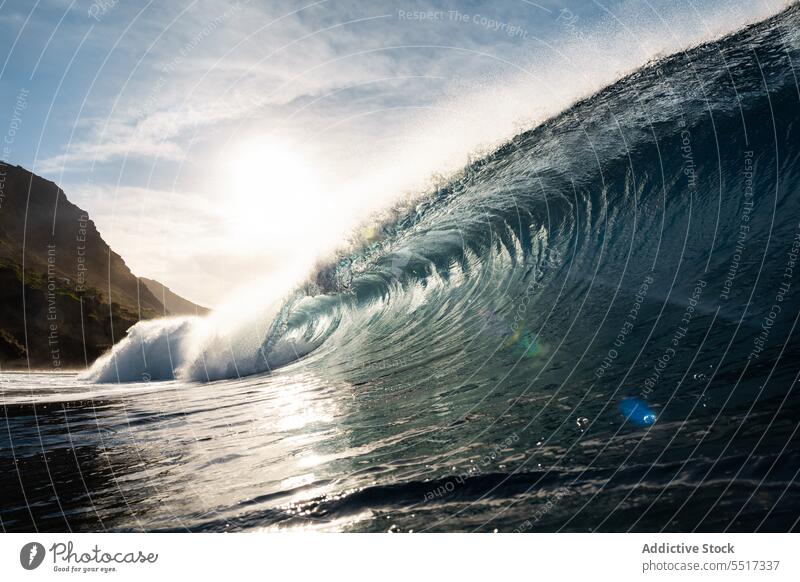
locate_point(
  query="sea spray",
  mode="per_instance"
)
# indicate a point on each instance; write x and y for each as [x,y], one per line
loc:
[151,351]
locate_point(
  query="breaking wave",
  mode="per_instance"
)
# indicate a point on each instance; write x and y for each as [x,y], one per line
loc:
[655,191]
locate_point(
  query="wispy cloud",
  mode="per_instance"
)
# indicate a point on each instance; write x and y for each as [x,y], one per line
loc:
[211,62]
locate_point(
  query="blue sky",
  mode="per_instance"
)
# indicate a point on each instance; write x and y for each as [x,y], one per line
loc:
[180,124]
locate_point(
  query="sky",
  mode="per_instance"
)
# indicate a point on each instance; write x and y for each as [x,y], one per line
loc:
[218,143]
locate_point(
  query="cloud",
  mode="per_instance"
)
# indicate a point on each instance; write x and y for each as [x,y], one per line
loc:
[195,66]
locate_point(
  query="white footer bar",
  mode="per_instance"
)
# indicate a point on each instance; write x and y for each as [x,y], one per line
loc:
[379,557]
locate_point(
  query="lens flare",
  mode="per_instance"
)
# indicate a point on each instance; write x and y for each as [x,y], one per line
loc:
[637,411]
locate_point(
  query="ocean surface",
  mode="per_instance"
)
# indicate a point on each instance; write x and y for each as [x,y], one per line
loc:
[594,328]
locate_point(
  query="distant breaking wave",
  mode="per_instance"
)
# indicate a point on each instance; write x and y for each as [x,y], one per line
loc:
[669,175]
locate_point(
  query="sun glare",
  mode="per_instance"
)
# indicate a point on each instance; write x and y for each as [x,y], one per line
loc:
[272,189]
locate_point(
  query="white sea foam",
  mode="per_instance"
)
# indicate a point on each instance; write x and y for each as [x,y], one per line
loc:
[152,350]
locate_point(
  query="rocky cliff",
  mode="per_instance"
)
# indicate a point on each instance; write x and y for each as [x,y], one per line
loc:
[65,295]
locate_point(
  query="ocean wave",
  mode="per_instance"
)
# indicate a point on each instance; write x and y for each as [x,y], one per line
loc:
[650,177]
